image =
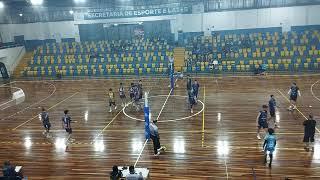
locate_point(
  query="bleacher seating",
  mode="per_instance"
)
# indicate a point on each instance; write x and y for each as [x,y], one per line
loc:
[236,51]
[242,52]
[101,58]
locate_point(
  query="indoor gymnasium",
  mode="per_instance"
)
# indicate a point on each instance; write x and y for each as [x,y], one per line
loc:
[159,89]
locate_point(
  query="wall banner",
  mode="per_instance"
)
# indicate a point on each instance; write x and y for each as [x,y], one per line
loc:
[107,14]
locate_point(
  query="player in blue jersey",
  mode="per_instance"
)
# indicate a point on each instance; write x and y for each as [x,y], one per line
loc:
[262,120]
[44,117]
[191,100]
[122,95]
[269,145]
[294,92]
[131,93]
[189,83]
[136,97]
[272,110]
[195,88]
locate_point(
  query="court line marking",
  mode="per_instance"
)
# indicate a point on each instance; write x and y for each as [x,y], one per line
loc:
[296,107]
[80,143]
[47,110]
[144,145]
[210,131]
[101,131]
[311,89]
[225,163]
[204,102]
[164,104]
[171,120]
[28,107]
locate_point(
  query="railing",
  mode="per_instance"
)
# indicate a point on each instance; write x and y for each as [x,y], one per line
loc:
[16,62]
[10,46]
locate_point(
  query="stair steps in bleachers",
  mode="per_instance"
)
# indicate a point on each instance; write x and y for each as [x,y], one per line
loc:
[22,64]
[178,54]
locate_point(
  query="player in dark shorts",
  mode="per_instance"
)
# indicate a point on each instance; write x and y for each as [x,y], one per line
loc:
[131,93]
[136,98]
[191,99]
[272,110]
[45,121]
[122,95]
[66,122]
[189,83]
[309,131]
[112,101]
[140,89]
[294,92]
[262,120]
[195,88]
[269,145]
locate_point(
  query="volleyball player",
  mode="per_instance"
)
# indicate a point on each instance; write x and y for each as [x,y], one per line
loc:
[191,99]
[66,124]
[195,88]
[269,145]
[140,89]
[262,120]
[272,110]
[45,121]
[131,93]
[189,83]
[294,92]
[112,101]
[136,97]
[122,95]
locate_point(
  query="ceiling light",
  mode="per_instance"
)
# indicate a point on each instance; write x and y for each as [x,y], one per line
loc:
[20,14]
[36,2]
[79,1]
[1,4]
[71,12]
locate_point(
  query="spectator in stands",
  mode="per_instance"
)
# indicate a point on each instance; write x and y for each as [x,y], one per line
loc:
[133,175]
[261,70]
[115,174]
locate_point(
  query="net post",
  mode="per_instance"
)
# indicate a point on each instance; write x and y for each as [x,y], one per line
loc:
[146,116]
[172,76]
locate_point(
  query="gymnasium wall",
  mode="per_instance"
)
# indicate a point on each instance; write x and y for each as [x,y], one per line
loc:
[225,20]
[11,57]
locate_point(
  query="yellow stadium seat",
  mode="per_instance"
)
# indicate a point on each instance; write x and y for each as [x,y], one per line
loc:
[229,67]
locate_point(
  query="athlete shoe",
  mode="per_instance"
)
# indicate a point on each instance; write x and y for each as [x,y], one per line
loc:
[110,110]
[157,154]
[269,165]
[115,107]
[191,111]
[258,137]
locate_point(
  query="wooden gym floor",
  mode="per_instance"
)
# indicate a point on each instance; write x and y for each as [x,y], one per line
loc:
[217,143]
